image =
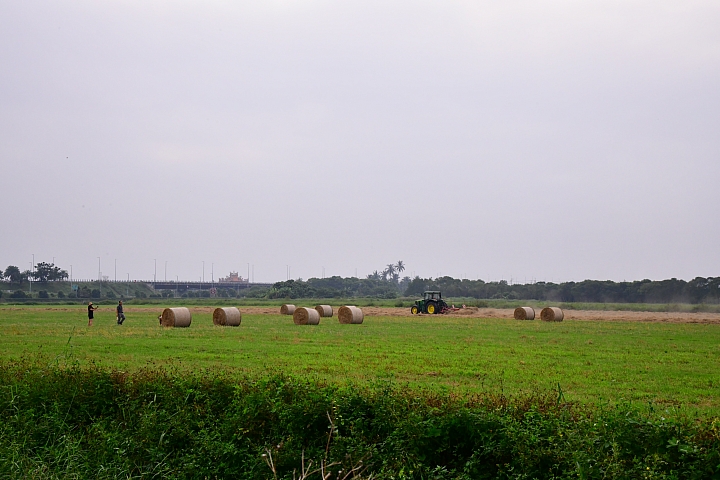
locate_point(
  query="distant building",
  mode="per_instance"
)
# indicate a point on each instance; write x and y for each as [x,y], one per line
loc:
[233,278]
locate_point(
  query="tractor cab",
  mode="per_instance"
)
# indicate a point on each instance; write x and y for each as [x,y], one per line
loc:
[431,303]
[429,295]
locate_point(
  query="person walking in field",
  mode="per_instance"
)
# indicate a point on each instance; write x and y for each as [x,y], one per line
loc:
[120,314]
[91,310]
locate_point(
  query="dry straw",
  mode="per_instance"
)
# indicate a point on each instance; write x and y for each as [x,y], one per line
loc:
[350,314]
[227,317]
[306,316]
[325,311]
[552,314]
[524,313]
[176,317]
[287,309]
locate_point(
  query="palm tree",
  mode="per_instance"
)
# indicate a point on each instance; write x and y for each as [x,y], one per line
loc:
[390,269]
[374,276]
[400,267]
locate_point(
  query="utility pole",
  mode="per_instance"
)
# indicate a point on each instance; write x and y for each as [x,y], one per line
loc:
[116,269]
[166,270]
[248,276]
[98,268]
[32,270]
[212,273]
[203,275]
[155,274]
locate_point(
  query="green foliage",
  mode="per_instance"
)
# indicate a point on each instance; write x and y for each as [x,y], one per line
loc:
[698,290]
[43,294]
[45,272]
[95,293]
[18,294]
[61,294]
[92,423]
[254,292]
[334,287]
[110,294]
[13,275]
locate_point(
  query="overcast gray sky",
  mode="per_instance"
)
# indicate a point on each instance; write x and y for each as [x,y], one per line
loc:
[556,140]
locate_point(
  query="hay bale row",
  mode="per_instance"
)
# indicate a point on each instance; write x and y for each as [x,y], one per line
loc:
[350,314]
[176,317]
[524,313]
[325,311]
[306,316]
[227,317]
[548,314]
[287,309]
[552,314]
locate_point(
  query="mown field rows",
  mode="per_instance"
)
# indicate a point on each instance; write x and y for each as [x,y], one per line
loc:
[668,365]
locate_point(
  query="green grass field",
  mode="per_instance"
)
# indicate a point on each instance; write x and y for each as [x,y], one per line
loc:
[674,366]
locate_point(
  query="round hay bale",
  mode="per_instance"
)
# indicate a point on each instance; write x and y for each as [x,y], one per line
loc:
[524,313]
[306,316]
[350,314]
[287,309]
[552,314]
[176,317]
[227,317]
[325,311]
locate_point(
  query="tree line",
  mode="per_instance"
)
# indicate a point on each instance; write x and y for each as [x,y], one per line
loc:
[43,272]
[696,291]
[387,283]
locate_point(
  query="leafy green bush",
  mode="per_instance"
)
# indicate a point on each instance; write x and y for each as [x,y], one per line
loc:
[92,423]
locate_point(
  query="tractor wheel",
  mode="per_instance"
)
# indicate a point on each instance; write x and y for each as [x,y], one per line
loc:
[432,308]
[414,310]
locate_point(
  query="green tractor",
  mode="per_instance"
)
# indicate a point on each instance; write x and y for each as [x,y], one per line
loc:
[432,302]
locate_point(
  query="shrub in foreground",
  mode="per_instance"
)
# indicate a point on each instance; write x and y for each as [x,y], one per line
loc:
[90,422]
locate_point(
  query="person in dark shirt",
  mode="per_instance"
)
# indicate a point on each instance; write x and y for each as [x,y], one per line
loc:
[120,314]
[91,309]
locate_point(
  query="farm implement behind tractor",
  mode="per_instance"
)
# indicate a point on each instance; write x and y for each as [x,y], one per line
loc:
[431,303]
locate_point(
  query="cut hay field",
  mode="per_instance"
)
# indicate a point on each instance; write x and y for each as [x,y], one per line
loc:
[673,365]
